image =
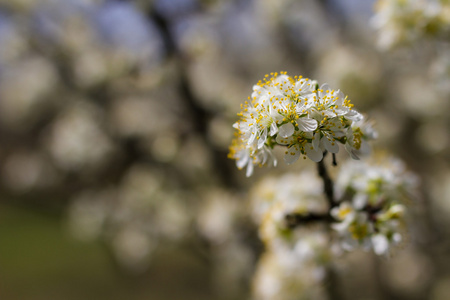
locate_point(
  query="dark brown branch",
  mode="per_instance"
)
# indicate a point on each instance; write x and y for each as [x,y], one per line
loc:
[294,220]
[327,182]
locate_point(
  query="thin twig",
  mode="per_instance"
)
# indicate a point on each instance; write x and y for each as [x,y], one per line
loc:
[334,160]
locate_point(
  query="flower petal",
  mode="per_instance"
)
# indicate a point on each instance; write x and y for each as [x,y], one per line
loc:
[249,171]
[360,200]
[331,146]
[314,155]
[316,141]
[252,137]
[380,244]
[351,151]
[286,130]
[354,116]
[262,138]
[292,154]
[307,125]
[261,141]
[273,129]
[283,141]
[242,158]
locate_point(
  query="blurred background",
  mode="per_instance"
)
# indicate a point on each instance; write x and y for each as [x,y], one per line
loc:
[115,121]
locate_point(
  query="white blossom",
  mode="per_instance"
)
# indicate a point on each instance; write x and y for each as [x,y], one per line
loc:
[371,212]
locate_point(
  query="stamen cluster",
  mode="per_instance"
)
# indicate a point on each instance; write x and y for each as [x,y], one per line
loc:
[298,114]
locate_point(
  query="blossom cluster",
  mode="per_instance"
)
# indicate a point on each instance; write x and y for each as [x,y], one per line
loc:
[405,21]
[372,197]
[294,264]
[367,212]
[298,114]
[274,198]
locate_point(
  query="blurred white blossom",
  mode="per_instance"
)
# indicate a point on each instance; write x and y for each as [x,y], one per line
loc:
[373,196]
[78,139]
[401,22]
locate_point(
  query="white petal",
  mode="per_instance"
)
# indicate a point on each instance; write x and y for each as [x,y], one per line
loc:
[324,89]
[249,169]
[283,80]
[360,200]
[334,212]
[354,116]
[331,146]
[261,141]
[329,114]
[262,138]
[341,111]
[351,151]
[252,138]
[286,130]
[292,155]
[338,134]
[340,227]
[316,141]
[340,98]
[273,129]
[396,237]
[299,84]
[256,90]
[242,158]
[380,244]
[283,141]
[307,125]
[314,155]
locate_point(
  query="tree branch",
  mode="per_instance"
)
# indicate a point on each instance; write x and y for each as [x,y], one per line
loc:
[294,220]
[327,182]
